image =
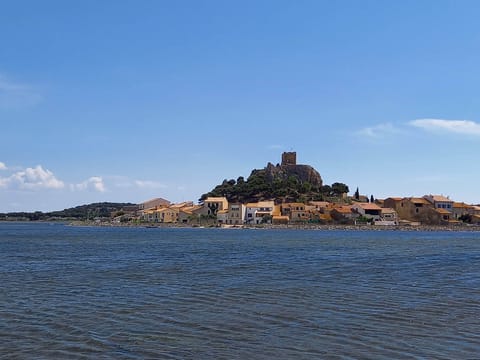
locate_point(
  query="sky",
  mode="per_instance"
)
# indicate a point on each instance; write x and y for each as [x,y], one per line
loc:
[125,101]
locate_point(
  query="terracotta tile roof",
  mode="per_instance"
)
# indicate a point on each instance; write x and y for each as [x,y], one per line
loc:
[181,205]
[442,211]
[368,206]
[293,204]
[319,203]
[438,198]
[343,209]
[419,200]
[261,204]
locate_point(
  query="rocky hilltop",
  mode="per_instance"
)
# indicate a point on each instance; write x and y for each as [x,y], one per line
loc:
[285,182]
[301,173]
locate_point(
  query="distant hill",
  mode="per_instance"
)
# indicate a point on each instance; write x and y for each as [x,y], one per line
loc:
[287,182]
[82,212]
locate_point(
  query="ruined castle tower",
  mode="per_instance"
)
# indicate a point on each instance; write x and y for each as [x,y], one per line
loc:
[289,158]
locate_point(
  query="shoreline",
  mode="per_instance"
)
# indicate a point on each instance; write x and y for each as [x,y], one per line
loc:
[326,227]
[319,227]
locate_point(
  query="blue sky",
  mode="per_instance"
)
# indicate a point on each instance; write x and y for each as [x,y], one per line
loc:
[130,100]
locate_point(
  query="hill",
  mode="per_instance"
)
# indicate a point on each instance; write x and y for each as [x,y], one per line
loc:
[286,182]
[82,212]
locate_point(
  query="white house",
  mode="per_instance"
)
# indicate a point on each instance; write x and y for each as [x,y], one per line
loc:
[255,212]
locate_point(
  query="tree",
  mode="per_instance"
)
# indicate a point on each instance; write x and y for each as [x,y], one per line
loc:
[357,194]
[339,189]
[326,190]
[372,200]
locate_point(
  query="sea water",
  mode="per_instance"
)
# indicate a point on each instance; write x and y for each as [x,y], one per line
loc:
[137,293]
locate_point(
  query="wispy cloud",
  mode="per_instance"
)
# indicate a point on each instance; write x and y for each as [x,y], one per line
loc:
[121,181]
[379,131]
[466,127]
[94,183]
[148,184]
[15,95]
[32,179]
[3,166]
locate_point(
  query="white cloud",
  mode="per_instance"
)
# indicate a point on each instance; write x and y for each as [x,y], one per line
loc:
[3,166]
[466,127]
[32,179]
[379,131]
[14,95]
[148,184]
[94,183]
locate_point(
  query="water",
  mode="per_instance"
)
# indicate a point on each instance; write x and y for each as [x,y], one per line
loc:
[118,293]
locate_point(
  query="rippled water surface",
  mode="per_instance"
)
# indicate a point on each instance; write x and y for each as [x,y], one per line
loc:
[117,293]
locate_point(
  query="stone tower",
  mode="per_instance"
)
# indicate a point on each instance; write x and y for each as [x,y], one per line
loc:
[289,158]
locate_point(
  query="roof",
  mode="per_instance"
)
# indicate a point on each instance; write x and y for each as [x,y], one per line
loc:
[157,199]
[395,198]
[293,204]
[442,211]
[419,200]
[215,199]
[260,204]
[368,206]
[343,209]
[319,203]
[181,205]
[222,212]
[438,198]
[459,205]
[165,209]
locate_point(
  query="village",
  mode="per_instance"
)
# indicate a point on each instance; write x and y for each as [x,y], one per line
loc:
[393,211]
[343,209]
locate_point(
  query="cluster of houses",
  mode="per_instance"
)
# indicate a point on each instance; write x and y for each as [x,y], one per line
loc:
[429,209]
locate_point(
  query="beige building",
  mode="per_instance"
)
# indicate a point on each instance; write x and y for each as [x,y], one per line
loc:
[166,215]
[236,214]
[295,211]
[212,205]
[154,203]
[411,209]
[459,209]
[188,214]
[440,202]
[389,217]
[343,213]
[368,210]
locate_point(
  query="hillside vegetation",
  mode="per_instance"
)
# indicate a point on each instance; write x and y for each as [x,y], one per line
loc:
[283,183]
[83,212]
